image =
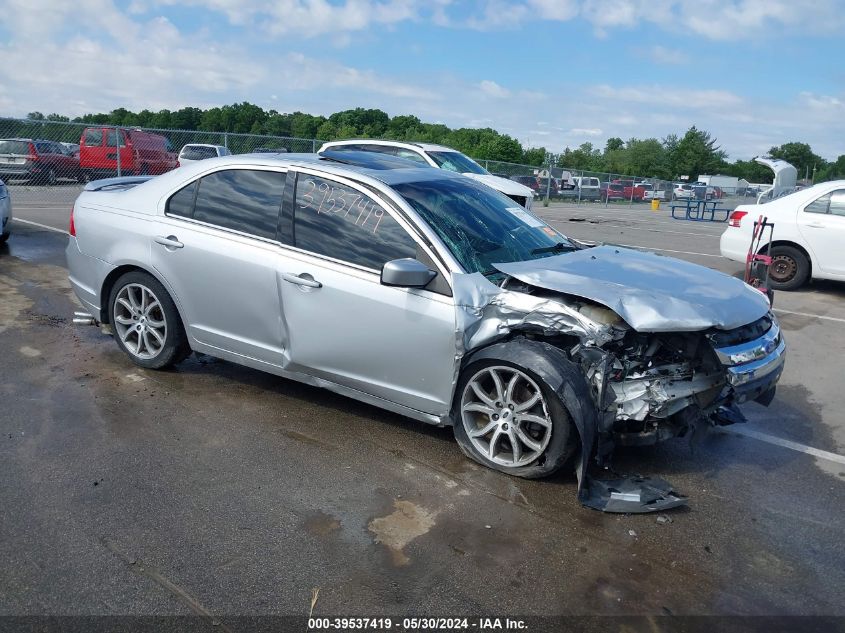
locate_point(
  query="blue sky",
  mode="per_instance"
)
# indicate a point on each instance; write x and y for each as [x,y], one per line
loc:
[556,73]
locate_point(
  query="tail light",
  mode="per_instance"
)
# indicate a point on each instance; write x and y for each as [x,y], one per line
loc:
[736,218]
[71,228]
[33,155]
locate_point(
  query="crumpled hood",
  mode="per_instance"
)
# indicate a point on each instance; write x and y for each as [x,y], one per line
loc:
[507,187]
[651,292]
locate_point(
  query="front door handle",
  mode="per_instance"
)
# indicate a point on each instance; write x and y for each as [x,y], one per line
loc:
[301,281]
[170,241]
[815,225]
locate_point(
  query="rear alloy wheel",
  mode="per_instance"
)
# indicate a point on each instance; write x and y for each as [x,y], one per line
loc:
[146,323]
[789,269]
[508,420]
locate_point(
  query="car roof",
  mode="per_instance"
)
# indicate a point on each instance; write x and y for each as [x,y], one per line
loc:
[201,145]
[427,147]
[371,160]
[388,175]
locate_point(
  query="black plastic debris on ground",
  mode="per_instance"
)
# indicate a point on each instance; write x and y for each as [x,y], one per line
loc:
[634,495]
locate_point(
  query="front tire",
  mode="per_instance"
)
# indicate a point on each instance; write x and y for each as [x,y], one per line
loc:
[790,268]
[508,419]
[146,323]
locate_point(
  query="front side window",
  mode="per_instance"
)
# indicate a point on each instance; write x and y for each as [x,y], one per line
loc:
[481,226]
[340,222]
[244,200]
[94,137]
[457,162]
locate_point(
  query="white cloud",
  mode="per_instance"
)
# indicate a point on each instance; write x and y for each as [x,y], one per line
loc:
[492,89]
[662,55]
[586,131]
[670,96]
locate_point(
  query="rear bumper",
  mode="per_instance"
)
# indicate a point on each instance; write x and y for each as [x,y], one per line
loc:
[734,244]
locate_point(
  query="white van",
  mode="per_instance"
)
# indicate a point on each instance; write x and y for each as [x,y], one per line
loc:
[590,187]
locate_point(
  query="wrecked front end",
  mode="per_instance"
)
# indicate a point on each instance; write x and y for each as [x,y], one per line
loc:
[648,384]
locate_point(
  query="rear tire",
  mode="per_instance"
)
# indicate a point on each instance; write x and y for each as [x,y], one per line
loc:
[146,324]
[790,268]
[544,432]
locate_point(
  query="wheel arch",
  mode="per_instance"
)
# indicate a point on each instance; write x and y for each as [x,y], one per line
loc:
[561,374]
[117,273]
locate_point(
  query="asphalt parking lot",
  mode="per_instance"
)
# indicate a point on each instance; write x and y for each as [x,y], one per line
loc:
[217,490]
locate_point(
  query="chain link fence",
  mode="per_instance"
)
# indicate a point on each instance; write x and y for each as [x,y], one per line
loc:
[45,163]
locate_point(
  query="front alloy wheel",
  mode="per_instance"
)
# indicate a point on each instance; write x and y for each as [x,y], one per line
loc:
[505,416]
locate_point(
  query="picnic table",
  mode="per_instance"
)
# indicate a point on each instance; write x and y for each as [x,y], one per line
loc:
[700,210]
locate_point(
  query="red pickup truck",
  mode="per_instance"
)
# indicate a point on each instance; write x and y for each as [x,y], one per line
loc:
[630,191]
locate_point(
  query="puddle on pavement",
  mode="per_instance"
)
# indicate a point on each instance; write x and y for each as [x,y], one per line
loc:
[396,530]
[322,524]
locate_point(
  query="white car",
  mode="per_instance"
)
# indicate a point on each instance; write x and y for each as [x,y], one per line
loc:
[5,213]
[441,157]
[683,191]
[193,152]
[808,236]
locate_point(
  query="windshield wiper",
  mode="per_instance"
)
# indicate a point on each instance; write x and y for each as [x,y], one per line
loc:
[560,246]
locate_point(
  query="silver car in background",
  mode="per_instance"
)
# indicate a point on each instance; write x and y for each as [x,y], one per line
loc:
[425,293]
[5,213]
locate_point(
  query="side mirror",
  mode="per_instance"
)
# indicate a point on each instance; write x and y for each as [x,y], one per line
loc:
[406,273]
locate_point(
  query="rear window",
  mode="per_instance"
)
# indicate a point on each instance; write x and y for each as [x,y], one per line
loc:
[93,137]
[196,152]
[14,147]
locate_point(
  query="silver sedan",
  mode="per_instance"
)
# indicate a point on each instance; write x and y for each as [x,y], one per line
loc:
[425,293]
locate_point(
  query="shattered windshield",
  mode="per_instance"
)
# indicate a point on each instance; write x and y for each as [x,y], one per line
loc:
[481,226]
[455,161]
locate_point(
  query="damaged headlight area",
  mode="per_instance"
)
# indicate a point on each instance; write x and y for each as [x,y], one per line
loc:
[655,386]
[645,386]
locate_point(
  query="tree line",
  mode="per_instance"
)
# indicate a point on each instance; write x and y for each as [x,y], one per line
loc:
[694,153]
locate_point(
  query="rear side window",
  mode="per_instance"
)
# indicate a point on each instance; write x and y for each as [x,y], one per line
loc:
[110,139]
[401,152]
[837,202]
[244,200]
[198,152]
[338,221]
[832,203]
[93,137]
[182,202]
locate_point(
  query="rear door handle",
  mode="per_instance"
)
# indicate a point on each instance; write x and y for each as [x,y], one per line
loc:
[815,225]
[170,241]
[301,281]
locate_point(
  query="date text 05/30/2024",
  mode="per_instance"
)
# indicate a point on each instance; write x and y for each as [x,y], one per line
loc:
[416,624]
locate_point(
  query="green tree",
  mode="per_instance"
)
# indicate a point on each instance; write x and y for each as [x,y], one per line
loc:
[614,143]
[696,153]
[535,156]
[646,158]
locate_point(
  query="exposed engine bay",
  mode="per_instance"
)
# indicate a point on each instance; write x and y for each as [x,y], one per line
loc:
[647,384]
